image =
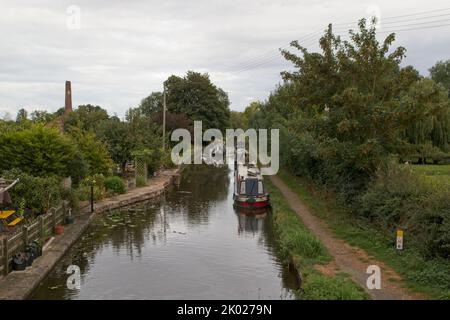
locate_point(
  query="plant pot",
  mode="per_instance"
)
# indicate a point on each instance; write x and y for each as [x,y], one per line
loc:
[38,247]
[19,262]
[29,258]
[31,250]
[70,220]
[59,230]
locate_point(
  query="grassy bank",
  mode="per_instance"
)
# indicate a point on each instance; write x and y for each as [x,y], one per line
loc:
[431,277]
[298,245]
[435,172]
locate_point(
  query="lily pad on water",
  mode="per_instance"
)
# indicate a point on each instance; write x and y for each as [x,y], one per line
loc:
[55,287]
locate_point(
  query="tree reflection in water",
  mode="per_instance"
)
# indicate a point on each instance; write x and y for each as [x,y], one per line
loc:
[163,248]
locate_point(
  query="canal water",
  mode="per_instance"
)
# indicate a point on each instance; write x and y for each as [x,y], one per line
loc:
[190,244]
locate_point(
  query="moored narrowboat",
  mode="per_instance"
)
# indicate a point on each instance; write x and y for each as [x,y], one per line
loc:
[249,189]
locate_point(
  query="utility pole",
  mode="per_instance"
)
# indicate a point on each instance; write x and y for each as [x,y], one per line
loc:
[164,118]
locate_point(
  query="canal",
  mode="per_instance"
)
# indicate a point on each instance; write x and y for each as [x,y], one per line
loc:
[190,244]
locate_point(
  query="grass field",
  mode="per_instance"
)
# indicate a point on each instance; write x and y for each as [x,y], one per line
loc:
[300,247]
[431,277]
[436,172]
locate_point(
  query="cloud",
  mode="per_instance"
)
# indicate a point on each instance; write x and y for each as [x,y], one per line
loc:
[125,50]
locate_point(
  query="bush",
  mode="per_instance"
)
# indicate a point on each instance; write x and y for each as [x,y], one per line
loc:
[299,155]
[98,180]
[115,185]
[93,152]
[141,181]
[38,193]
[343,167]
[400,198]
[166,159]
[38,151]
[71,195]
[78,169]
[153,158]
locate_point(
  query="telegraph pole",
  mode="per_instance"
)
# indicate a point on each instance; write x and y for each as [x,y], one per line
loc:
[164,118]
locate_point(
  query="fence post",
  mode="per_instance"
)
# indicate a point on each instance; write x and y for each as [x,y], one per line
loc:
[25,236]
[41,225]
[64,209]
[6,255]
[53,210]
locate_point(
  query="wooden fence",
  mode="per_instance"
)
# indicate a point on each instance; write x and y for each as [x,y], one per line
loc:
[42,227]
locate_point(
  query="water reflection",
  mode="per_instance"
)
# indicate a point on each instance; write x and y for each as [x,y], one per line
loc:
[251,222]
[201,187]
[190,244]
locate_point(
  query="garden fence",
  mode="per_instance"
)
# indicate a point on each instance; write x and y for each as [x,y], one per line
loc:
[41,228]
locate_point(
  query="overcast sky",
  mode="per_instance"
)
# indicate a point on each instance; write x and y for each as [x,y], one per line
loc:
[121,51]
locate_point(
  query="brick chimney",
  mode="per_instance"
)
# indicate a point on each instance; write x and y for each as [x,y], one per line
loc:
[68,102]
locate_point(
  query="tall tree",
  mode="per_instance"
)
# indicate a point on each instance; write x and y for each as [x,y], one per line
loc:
[22,115]
[94,152]
[151,104]
[440,73]
[352,91]
[197,97]
[430,104]
[86,117]
[119,140]
[342,111]
[42,116]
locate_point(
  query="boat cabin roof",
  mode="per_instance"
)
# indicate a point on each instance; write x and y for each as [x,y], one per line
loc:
[248,171]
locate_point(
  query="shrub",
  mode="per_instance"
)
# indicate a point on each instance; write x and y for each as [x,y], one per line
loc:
[153,158]
[141,181]
[166,159]
[115,185]
[344,167]
[98,181]
[78,169]
[72,195]
[37,193]
[38,151]
[93,152]
[398,197]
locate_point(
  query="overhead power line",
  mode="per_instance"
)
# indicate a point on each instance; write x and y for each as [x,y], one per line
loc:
[392,26]
[341,26]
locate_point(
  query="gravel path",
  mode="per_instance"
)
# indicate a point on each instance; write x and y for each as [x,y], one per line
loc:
[351,260]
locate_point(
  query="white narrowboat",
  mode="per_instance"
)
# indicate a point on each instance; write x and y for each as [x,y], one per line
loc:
[249,189]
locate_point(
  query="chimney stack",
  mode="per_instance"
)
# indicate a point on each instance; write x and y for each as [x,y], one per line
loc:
[68,102]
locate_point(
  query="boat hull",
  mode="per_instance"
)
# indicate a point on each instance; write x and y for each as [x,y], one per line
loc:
[254,211]
[246,202]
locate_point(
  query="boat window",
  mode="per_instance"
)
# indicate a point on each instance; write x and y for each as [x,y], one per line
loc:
[242,191]
[260,187]
[251,187]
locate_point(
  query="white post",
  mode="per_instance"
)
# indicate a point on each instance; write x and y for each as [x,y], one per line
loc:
[164,119]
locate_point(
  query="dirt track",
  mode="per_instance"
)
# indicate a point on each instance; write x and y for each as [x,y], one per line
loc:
[348,259]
